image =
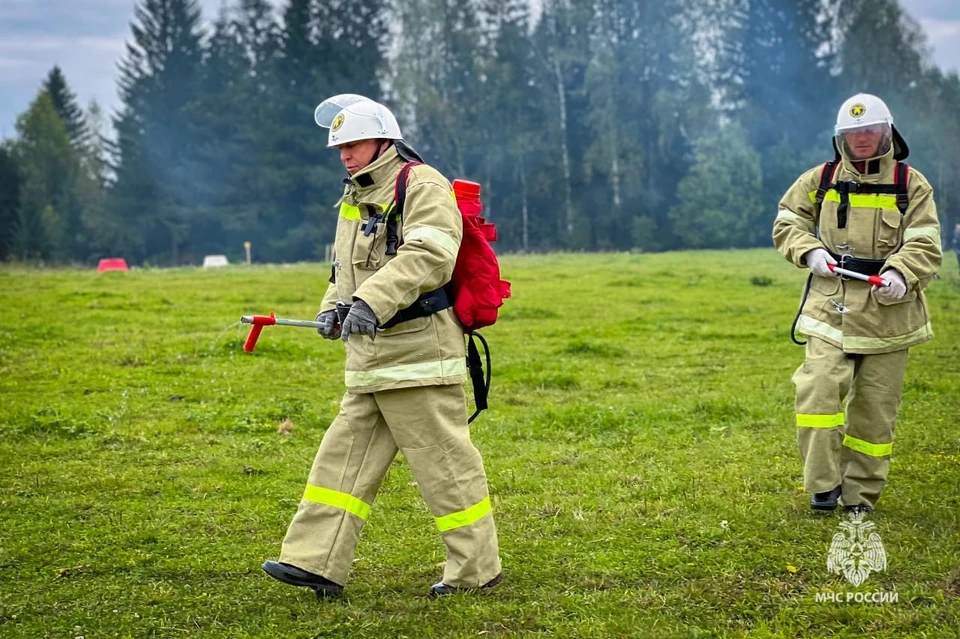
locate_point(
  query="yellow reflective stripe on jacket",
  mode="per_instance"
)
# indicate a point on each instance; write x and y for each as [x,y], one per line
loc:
[463,518]
[349,211]
[861,446]
[883,342]
[928,231]
[790,216]
[862,200]
[433,234]
[337,499]
[406,372]
[819,421]
[809,326]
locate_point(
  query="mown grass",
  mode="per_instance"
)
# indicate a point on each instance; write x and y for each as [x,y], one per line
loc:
[640,452]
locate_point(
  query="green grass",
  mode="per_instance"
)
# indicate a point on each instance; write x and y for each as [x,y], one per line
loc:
[639,402]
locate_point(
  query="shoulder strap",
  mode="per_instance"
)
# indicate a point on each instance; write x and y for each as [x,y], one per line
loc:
[901,179]
[826,181]
[396,214]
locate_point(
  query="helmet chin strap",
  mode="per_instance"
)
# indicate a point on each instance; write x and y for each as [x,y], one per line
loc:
[378,152]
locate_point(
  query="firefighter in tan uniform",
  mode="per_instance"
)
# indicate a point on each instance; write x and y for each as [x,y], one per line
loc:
[404,371]
[869,213]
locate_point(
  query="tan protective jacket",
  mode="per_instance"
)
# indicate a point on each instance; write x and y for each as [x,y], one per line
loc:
[421,352]
[876,230]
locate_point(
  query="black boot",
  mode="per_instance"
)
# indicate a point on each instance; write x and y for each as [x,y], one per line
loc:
[825,501]
[294,576]
[439,589]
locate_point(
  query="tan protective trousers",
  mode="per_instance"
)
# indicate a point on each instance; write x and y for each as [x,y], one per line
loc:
[429,425]
[847,448]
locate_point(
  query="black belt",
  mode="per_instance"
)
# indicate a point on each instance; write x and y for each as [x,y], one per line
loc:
[857,265]
[427,304]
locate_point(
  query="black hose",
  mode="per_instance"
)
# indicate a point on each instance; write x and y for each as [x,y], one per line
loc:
[479,377]
[796,320]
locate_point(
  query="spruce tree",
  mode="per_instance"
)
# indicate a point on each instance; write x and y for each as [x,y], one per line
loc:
[9,196]
[159,178]
[65,102]
[47,166]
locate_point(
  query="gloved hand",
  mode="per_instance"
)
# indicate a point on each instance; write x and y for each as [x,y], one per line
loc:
[817,260]
[897,288]
[330,328]
[361,320]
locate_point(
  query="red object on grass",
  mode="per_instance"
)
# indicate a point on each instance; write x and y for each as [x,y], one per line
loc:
[112,264]
[259,321]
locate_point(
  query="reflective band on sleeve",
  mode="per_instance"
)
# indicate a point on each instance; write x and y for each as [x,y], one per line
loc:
[406,372]
[860,343]
[790,216]
[862,200]
[349,211]
[337,499]
[922,231]
[874,450]
[433,234]
[809,326]
[463,518]
[819,421]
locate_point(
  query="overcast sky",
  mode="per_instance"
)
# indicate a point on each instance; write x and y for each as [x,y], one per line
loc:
[86,38]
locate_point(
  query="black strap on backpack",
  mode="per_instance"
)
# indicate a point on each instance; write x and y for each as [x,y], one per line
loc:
[901,179]
[826,182]
[395,215]
[481,383]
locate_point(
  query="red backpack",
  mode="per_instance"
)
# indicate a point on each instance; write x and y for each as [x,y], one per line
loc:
[478,291]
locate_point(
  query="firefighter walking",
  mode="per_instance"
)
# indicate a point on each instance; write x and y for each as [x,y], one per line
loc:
[405,366]
[867,212]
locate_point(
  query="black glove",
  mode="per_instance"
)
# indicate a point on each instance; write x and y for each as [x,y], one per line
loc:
[360,320]
[331,327]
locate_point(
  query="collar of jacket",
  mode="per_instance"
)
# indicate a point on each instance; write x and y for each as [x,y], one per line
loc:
[882,174]
[383,169]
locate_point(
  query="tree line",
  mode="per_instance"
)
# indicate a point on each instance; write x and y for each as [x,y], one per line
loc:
[592,124]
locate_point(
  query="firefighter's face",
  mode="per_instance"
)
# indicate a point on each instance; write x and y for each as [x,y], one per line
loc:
[356,156]
[865,142]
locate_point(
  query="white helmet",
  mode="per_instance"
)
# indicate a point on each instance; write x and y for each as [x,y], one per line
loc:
[865,111]
[862,110]
[352,117]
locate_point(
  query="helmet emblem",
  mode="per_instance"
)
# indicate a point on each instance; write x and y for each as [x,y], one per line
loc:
[337,123]
[858,110]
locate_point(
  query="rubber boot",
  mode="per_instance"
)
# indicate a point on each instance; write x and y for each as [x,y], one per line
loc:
[294,576]
[439,589]
[825,501]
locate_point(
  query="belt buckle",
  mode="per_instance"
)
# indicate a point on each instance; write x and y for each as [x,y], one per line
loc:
[843,264]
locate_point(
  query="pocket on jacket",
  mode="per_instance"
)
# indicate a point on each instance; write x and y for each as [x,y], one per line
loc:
[368,250]
[410,326]
[825,285]
[884,300]
[888,228]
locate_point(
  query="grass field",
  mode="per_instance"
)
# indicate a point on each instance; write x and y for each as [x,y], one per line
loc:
[640,452]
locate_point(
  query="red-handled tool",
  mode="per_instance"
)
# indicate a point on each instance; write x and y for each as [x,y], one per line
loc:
[259,321]
[873,279]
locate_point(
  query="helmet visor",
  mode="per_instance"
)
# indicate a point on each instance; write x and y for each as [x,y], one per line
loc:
[324,114]
[869,142]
